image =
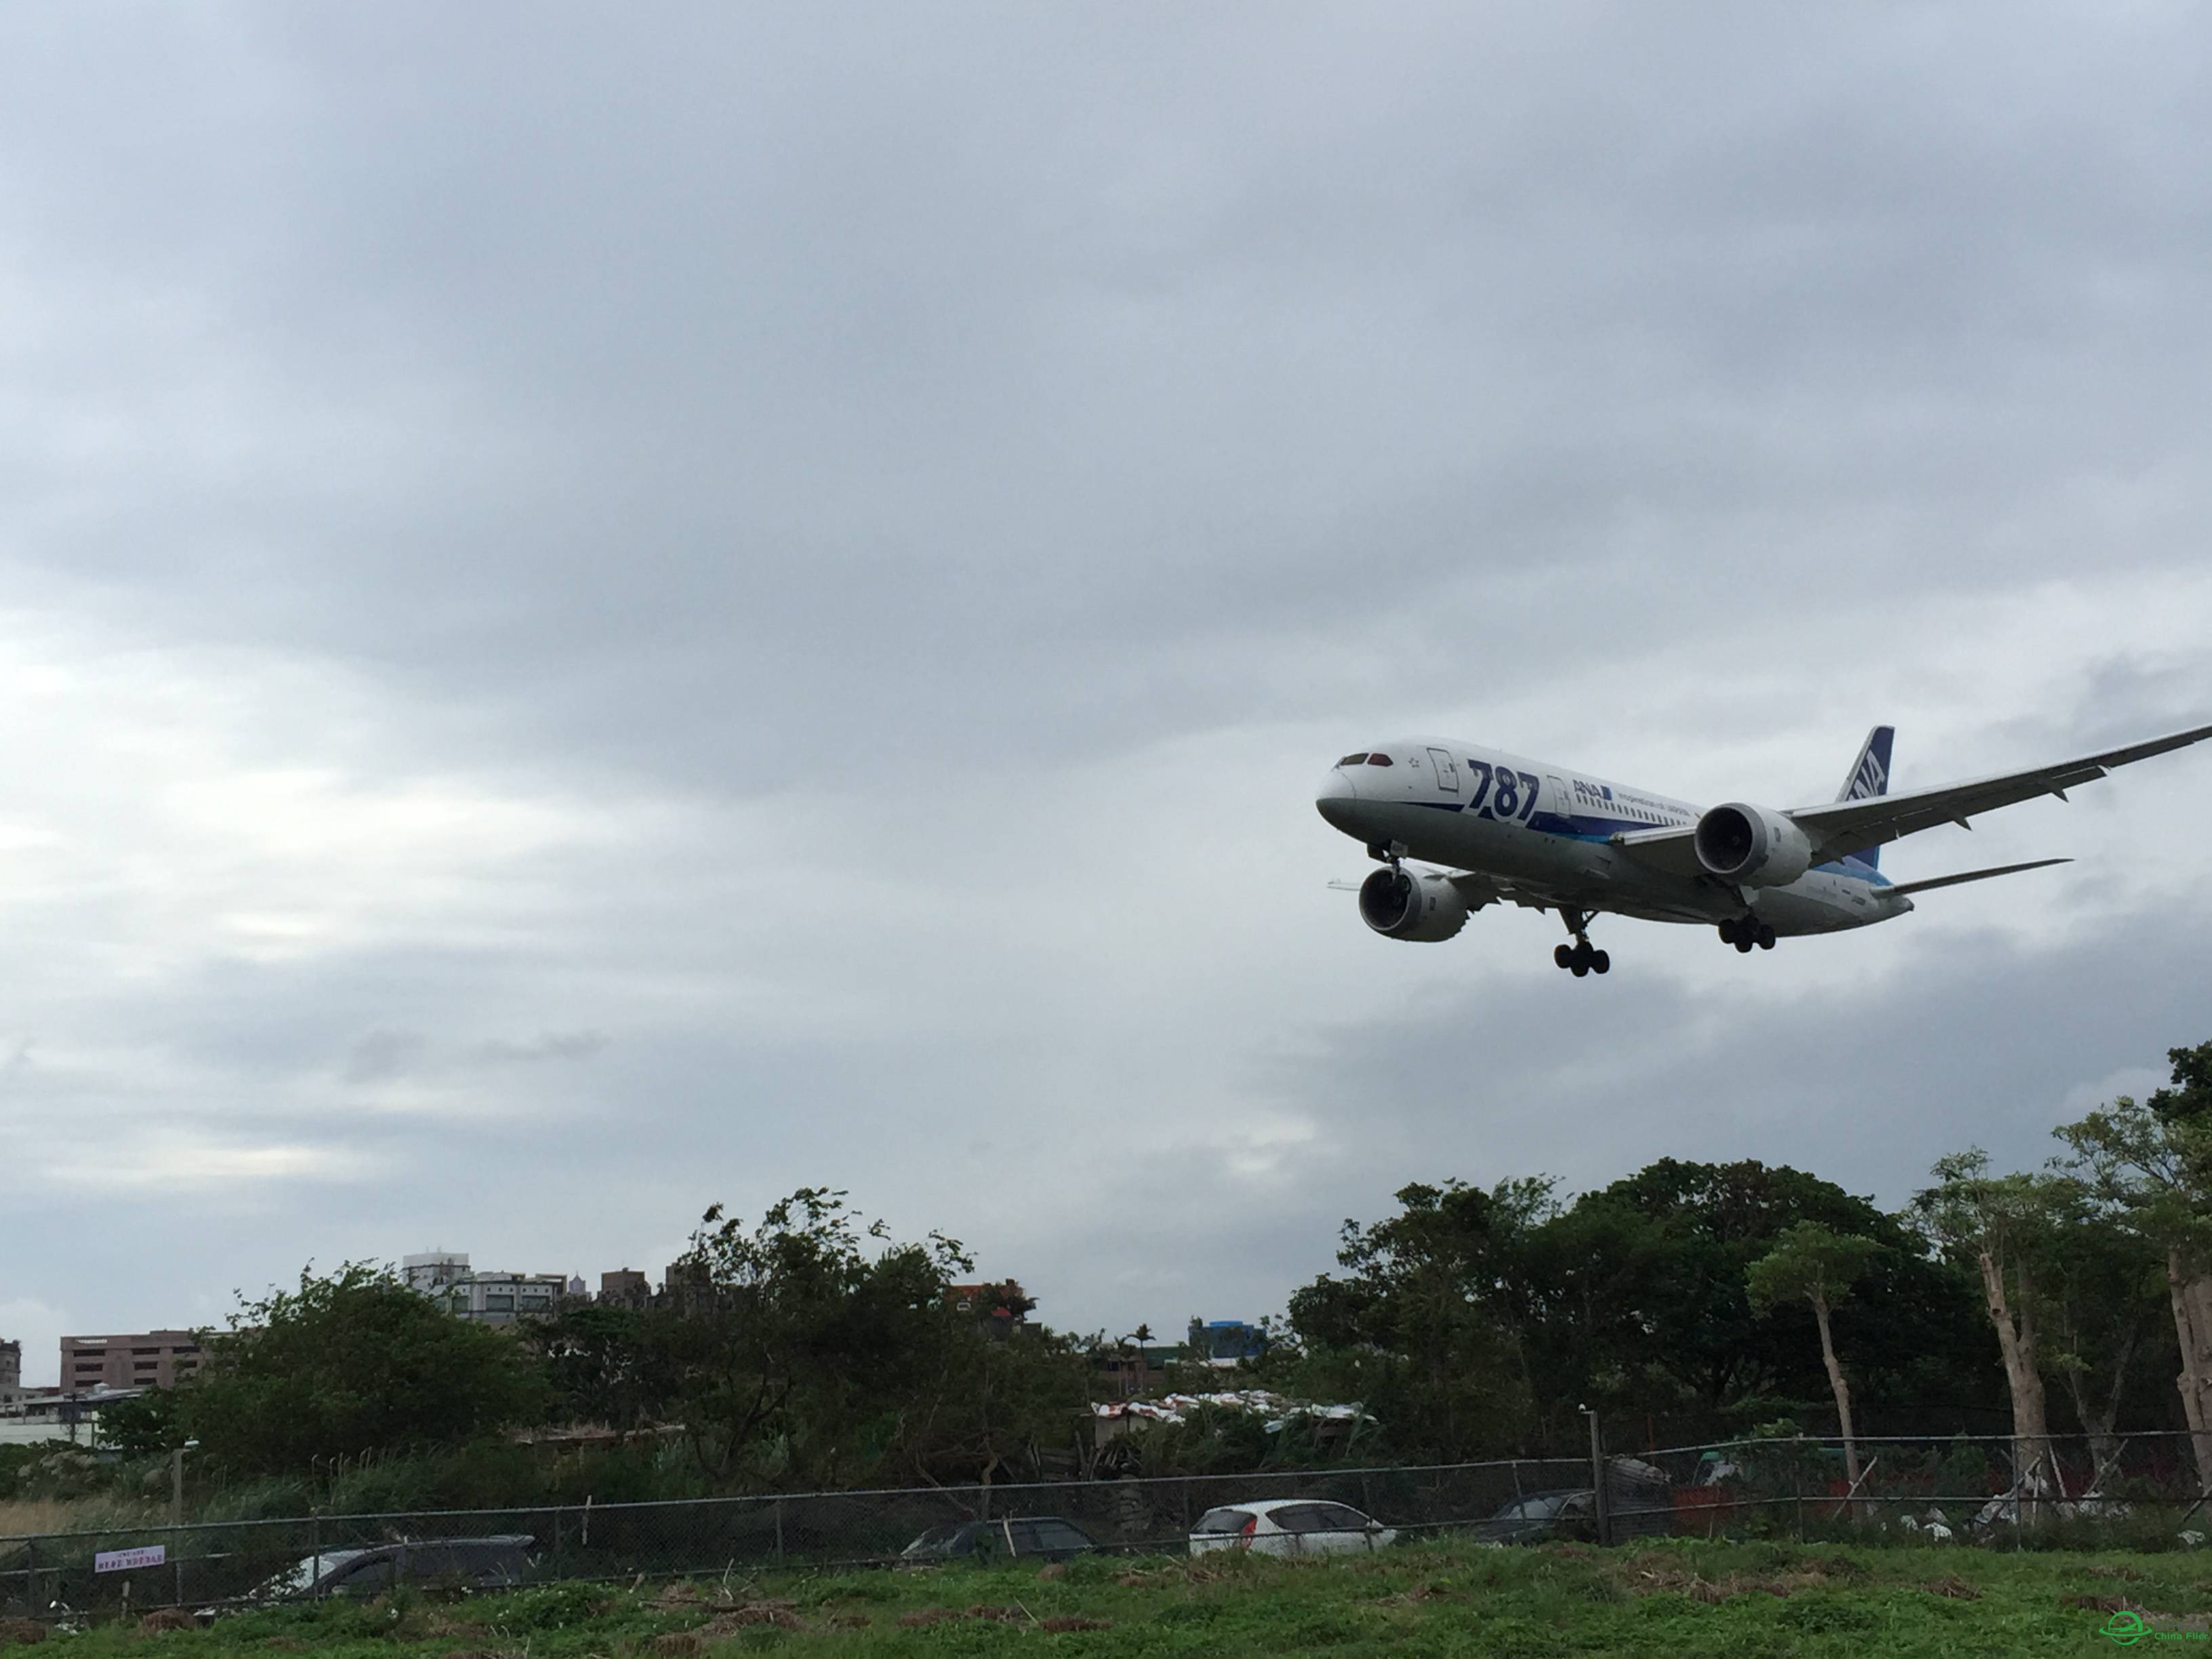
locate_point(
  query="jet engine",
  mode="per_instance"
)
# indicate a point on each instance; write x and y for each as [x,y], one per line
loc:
[1422,907]
[1751,846]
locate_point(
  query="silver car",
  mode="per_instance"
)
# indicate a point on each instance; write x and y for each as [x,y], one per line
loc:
[1289,1526]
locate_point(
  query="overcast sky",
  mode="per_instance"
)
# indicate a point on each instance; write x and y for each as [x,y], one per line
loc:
[606,609]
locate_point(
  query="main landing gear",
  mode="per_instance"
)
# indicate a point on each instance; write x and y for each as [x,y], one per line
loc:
[1582,956]
[1745,931]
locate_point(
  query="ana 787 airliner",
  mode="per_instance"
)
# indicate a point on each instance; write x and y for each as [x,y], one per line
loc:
[1552,838]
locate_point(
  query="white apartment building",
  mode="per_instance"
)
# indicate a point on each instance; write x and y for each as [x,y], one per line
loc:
[492,1298]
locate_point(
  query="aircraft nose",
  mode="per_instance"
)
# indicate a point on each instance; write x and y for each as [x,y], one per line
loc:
[1337,799]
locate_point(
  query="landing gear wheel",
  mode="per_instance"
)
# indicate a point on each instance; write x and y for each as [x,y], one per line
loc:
[1765,937]
[1744,944]
[1728,930]
[1581,959]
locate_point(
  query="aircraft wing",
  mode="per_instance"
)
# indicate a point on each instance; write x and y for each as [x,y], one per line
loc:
[1906,889]
[1839,829]
[1673,851]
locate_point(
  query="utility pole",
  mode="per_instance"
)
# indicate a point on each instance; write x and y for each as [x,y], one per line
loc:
[1597,1478]
[176,1482]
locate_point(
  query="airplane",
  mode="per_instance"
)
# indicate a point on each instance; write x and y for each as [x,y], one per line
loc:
[1507,829]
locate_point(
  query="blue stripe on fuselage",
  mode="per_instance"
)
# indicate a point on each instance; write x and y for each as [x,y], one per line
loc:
[1572,828]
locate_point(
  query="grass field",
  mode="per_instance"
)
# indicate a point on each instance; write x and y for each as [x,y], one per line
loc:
[1681,1598]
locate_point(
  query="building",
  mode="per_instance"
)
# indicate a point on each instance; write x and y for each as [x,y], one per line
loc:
[11,1373]
[1223,1342]
[625,1287]
[501,1298]
[435,1270]
[488,1297]
[148,1359]
[688,1283]
[44,1414]
[1132,1368]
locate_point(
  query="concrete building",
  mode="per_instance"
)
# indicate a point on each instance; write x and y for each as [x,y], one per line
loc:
[1222,1342]
[11,1373]
[488,1297]
[435,1270]
[44,1414]
[625,1287]
[147,1359]
[494,1298]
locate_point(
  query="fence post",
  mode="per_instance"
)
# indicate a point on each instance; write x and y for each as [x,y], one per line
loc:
[1797,1486]
[1597,1480]
[31,1577]
[779,1530]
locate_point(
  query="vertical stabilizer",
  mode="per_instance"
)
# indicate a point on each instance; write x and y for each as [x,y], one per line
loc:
[1869,776]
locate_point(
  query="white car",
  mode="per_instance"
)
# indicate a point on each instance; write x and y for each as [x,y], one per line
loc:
[1289,1526]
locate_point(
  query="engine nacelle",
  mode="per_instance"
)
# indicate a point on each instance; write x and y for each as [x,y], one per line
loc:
[1424,908]
[1751,846]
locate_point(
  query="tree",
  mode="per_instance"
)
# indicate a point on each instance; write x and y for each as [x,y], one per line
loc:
[2100,1285]
[810,1350]
[1637,1300]
[606,1363]
[1996,1224]
[1811,1263]
[2153,1161]
[1423,1328]
[350,1364]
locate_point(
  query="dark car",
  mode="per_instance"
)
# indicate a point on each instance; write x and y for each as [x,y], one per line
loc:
[1541,1516]
[1045,1536]
[498,1562]
[1638,1502]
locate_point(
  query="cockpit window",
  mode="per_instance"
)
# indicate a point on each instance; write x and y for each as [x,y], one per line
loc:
[1380,760]
[1353,760]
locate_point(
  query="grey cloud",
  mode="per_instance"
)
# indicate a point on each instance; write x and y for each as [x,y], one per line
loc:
[914,496]
[800,367]
[383,1054]
[547,1046]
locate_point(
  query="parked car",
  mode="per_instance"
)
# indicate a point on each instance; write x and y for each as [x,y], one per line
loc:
[1048,1536]
[499,1562]
[1541,1516]
[1289,1526]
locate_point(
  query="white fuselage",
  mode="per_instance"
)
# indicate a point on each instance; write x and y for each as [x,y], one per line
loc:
[1543,831]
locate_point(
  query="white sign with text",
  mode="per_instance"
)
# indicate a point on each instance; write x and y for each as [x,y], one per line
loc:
[130,1561]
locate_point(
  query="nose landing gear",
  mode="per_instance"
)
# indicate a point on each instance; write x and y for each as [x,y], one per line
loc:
[1747,932]
[1581,958]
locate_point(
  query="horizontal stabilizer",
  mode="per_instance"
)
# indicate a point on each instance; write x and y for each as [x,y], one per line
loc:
[1972,875]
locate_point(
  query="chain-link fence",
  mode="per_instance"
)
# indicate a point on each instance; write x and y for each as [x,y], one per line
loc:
[2133,1491]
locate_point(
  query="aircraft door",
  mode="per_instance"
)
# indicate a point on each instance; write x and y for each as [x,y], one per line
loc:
[1447,770]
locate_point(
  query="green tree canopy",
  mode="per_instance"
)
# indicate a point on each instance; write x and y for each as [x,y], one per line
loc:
[351,1364]
[1641,1299]
[810,1349]
[1809,1263]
